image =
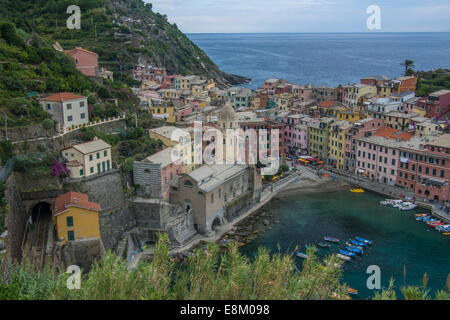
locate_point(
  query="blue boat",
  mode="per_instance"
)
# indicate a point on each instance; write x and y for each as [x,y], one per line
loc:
[357,243]
[302,255]
[347,253]
[354,250]
[348,244]
[331,239]
[369,242]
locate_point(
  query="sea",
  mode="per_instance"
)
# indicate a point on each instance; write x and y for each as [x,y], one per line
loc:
[323,59]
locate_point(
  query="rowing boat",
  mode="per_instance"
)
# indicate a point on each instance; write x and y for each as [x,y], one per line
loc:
[302,255]
[331,239]
[342,257]
[369,242]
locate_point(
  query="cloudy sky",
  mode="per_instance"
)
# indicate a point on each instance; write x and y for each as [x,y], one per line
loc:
[222,16]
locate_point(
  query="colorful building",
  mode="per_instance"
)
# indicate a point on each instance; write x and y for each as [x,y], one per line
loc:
[318,136]
[76,218]
[336,143]
[86,61]
[437,104]
[88,159]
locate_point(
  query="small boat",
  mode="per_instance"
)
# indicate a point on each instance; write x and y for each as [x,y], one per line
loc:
[407,206]
[352,291]
[302,255]
[369,242]
[354,250]
[348,244]
[347,253]
[386,202]
[446,234]
[421,215]
[397,203]
[323,245]
[357,190]
[357,243]
[342,257]
[331,239]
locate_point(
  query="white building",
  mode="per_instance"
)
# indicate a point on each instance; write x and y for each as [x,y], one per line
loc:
[67,109]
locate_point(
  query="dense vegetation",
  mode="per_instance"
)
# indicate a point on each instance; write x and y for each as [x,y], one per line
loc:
[206,275]
[431,81]
[121,32]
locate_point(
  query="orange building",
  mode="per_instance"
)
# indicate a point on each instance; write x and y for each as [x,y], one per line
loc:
[85,60]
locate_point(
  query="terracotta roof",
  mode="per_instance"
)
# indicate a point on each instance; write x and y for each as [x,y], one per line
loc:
[70,52]
[74,199]
[326,104]
[63,96]
[391,133]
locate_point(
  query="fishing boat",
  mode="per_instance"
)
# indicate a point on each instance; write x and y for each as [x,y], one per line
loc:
[302,255]
[386,202]
[331,239]
[343,257]
[323,245]
[369,242]
[347,253]
[421,215]
[357,243]
[354,250]
[436,224]
[352,291]
[407,206]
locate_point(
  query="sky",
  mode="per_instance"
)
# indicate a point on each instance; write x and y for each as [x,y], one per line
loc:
[242,16]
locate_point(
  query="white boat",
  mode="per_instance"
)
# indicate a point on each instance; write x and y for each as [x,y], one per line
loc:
[386,202]
[397,203]
[406,206]
[342,257]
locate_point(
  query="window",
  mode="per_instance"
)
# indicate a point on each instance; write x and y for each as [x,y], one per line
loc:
[98,155]
[105,153]
[83,116]
[69,221]
[108,165]
[81,172]
[69,119]
[70,235]
[69,106]
[92,170]
[82,104]
[91,157]
[212,197]
[49,107]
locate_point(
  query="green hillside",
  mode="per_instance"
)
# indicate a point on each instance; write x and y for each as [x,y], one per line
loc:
[121,32]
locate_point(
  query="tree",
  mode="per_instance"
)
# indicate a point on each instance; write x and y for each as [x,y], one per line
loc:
[409,65]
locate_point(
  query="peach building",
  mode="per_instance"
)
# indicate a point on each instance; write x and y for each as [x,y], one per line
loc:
[86,61]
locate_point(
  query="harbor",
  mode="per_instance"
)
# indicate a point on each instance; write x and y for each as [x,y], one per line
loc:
[403,248]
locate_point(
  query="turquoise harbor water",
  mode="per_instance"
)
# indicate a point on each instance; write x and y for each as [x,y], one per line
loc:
[399,240]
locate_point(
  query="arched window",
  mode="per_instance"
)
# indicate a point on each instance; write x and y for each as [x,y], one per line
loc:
[188,184]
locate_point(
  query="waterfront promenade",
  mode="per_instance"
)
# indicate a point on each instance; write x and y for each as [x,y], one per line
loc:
[388,191]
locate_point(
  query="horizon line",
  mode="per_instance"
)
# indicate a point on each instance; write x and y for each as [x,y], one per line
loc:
[319,32]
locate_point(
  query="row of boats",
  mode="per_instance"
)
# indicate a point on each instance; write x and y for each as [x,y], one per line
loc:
[399,204]
[352,248]
[434,223]
[357,190]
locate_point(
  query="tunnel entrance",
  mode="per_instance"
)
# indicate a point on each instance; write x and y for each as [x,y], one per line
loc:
[216,224]
[42,210]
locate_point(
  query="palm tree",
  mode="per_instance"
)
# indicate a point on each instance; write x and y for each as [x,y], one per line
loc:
[408,64]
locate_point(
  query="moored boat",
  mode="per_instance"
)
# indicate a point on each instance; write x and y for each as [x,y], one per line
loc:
[407,206]
[348,244]
[331,239]
[352,291]
[354,250]
[369,242]
[358,243]
[323,245]
[347,253]
[302,255]
[343,257]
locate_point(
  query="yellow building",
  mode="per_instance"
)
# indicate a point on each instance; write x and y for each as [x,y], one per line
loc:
[354,95]
[336,143]
[284,101]
[87,159]
[349,115]
[398,120]
[163,112]
[76,218]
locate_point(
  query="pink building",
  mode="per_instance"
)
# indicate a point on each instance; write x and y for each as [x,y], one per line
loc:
[437,104]
[184,111]
[363,128]
[86,61]
[425,167]
[378,156]
[296,134]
